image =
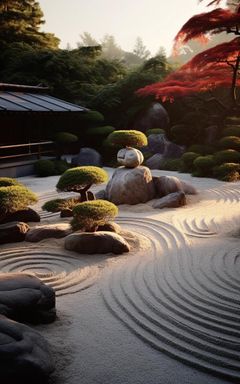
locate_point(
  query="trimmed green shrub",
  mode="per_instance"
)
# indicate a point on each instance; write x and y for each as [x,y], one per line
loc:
[178,133]
[171,165]
[227,156]
[187,160]
[58,205]
[130,138]
[101,131]
[227,172]
[65,138]
[15,198]
[201,149]
[8,181]
[154,131]
[203,165]
[94,117]
[80,179]
[44,168]
[60,166]
[231,130]
[230,142]
[89,215]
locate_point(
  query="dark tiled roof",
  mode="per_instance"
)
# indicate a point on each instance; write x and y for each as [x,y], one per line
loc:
[34,102]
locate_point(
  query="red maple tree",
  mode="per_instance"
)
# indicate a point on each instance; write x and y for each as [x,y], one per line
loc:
[212,68]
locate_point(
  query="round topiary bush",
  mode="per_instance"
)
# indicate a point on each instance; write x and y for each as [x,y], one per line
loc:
[58,205]
[60,166]
[231,130]
[234,120]
[65,138]
[227,172]
[187,160]
[179,133]
[230,142]
[89,215]
[227,156]
[15,198]
[203,165]
[80,179]
[201,149]
[92,117]
[100,131]
[130,138]
[8,181]
[155,131]
[171,165]
[44,168]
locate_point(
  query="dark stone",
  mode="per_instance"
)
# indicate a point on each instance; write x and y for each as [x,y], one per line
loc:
[158,143]
[24,215]
[164,185]
[211,135]
[101,194]
[155,116]
[25,298]
[87,156]
[67,212]
[13,232]
[96,242]
[155,161]
[47,231]
[24,354]
[110,227]
[173,200]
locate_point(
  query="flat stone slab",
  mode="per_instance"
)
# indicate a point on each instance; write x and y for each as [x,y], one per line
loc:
[26,298]
[13,232]
[172,200]
[24,354]
[47,231]
[97,242]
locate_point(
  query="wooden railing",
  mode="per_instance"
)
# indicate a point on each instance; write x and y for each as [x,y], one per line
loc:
[31,149]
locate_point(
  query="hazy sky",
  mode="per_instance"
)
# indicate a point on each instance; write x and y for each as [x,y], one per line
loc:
[155,21]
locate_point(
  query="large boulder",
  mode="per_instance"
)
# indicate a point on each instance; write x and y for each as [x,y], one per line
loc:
[158,143]
[24,354]
[173,200]
[111,226]
[13,232]
[47,231]
[25,298]
[155,116]
[96,242]
[170,184]
[87,156]
[155,161]
[130,186]
[25,215]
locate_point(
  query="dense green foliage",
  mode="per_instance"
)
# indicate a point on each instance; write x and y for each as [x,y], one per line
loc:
[8,181]
[227,172]
[44,168]
[231,130]
[100,131]
[187,160]
[65,138]
[202,149]
[78,178]
[230,142]
[227,156]
[130,138]
[203,166]
[154,131]
[58,205]
[15,197]
[89,215]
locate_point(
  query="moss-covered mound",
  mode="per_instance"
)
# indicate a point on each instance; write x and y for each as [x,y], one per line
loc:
[58,205]
[8,181]
[89,215]
[14,198]
[65,138]
[77,178]
[130,138]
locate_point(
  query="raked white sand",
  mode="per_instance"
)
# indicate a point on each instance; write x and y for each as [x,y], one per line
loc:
[167,313]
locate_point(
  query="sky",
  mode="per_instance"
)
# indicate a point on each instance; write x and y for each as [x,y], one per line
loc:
[155,21]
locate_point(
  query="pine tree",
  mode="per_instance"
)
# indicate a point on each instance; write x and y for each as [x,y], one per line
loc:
[20,21]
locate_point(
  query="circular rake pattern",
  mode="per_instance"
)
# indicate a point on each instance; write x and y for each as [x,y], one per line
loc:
[183,305]
[62,271]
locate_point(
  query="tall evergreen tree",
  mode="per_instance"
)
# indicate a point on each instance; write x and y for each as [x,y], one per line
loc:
[20,21]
